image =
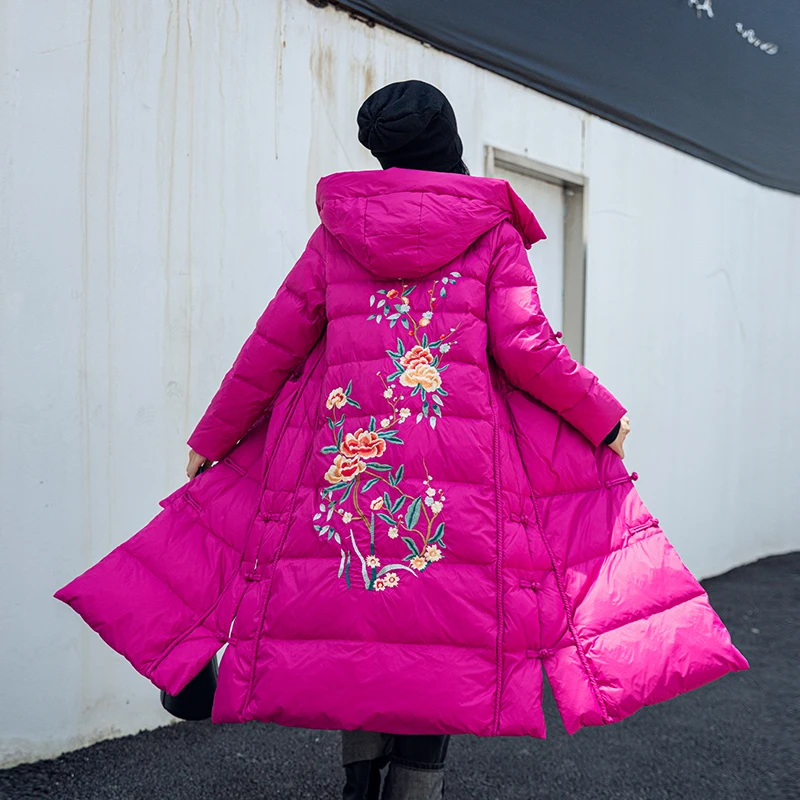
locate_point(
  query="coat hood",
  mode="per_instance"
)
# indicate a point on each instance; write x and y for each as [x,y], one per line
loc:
[403,223]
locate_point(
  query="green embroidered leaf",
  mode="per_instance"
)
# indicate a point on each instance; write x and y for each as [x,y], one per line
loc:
[368,485]
[347,492]
[386,518]
[340,423]
[436,345]
[341,564]
[419,418]
[330,449]
[398,307]
[352,402]
[339,435]
[330,534]
[409,557]
[387,434]
[387,501]
[398,504]
[393,323]
[383,291]
[381,303]
[442,292]
[371,316]
[442,369]
[436,361]
[439,533]
[401,348]
[393,440]
[436,399]
[372,300]
[408,291]
[380,467]
[372,537]
[347,572]
[379,318]
[442,545]
[424,339]
[331,423]
[432,421]
[412,513]
[444,280]
[437,410]
[372,423]
[456,274]
[349,388]
[425,408]
[390,567]
[404,323]
[395,375]
[416,390]
[399,474]
[412,546]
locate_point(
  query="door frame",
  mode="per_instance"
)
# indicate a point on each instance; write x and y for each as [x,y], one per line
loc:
[575,188]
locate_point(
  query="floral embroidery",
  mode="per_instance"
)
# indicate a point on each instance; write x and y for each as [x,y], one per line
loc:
[366,493]
[363,492]
[419,368]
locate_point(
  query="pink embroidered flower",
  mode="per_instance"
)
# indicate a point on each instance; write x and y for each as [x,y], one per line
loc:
[419,563]
[433,553]
[336,399]
[423,375]
[391,579]
[373,561]
[376,504]
[416,355]
[344,469]
[363,444]
[380,585]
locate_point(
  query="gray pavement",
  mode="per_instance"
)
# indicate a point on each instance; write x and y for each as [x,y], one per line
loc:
[737,738]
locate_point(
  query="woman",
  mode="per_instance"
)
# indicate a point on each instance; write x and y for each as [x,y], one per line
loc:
[413,507]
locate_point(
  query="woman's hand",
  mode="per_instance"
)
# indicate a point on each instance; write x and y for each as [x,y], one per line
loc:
[195,462]
[624,430]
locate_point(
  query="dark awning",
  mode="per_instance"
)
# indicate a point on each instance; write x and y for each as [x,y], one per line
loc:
[724,88]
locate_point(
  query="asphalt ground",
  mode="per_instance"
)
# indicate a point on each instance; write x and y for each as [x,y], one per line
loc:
[736,738]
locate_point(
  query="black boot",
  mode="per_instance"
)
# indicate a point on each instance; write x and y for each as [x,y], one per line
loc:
[363,780]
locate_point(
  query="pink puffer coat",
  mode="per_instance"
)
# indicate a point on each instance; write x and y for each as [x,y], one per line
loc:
[419,512]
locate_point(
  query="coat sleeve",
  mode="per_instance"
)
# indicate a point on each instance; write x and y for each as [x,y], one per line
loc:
[284,335]
[525,347]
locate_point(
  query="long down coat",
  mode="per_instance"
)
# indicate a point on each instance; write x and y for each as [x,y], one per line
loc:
[412,511]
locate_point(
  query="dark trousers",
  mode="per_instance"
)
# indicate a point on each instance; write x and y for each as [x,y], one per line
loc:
[416,766]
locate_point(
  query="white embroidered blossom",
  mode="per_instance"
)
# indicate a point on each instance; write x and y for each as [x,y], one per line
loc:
[405,413]
[418,563]
[445,348]
[393,533]
[380,585]
[385,423]
[428,315]
[391,579]
[429,501]
[405,308]
[347,517]
[430,492]
[436,507]
[373,561]
[388,393]
[433,553]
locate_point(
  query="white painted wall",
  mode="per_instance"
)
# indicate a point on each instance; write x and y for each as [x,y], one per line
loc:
[157,170]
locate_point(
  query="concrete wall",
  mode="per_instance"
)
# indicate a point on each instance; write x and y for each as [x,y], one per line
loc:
[157,170]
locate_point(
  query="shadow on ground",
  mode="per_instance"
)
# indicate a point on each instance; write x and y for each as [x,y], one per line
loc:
[736,738]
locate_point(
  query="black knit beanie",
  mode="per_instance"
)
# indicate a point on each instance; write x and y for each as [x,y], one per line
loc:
[411,125]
